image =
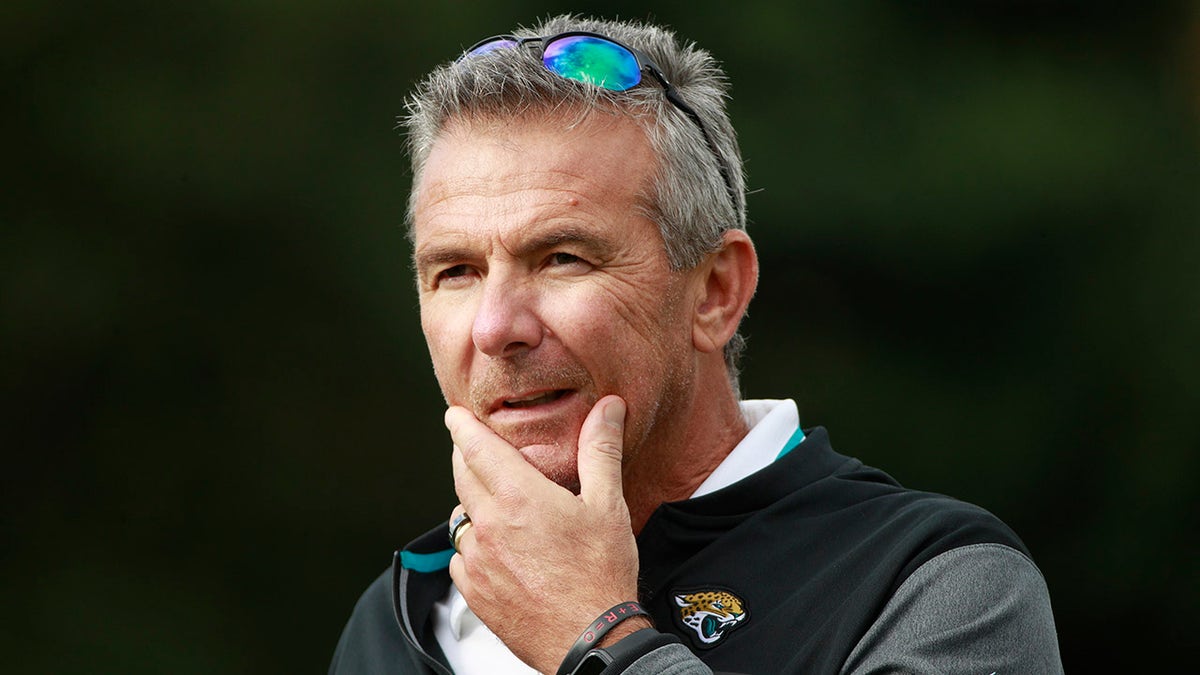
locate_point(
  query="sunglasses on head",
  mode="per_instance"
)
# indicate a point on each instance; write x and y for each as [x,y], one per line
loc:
[602,62]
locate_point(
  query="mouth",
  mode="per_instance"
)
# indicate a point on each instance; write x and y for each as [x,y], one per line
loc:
[532,400]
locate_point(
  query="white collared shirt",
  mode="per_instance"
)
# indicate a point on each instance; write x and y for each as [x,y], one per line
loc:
[472,649]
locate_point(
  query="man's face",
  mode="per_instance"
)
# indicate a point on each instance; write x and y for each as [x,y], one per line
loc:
[543,286]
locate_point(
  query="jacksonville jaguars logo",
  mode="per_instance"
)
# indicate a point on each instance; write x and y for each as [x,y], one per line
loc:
[710,614]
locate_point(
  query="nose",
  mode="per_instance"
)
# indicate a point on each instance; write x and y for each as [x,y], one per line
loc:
[506,321]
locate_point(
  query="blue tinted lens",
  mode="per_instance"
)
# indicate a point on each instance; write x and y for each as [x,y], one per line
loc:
[593,60]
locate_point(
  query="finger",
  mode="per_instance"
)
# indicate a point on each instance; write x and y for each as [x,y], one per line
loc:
[458,572]
[490,458]
[472,493]
[600,451]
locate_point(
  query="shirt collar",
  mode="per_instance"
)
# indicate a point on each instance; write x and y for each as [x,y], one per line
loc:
[772,423]
[462,619]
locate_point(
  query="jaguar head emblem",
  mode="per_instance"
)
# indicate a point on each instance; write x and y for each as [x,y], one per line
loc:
[711,614]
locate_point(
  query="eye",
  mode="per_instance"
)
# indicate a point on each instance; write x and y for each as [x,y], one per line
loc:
[454,274]
[561,262]
[561,258]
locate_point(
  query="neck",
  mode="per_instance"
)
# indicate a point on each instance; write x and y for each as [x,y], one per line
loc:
[680,463]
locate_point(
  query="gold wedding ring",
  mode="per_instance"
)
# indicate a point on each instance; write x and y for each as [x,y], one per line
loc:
[459,527]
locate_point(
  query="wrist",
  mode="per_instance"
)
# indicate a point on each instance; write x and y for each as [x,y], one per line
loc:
[623,630]
[599,629]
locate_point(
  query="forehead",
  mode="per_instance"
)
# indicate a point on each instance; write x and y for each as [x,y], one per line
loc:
[495,171]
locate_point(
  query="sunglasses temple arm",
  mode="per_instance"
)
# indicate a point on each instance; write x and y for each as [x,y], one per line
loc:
[687,110]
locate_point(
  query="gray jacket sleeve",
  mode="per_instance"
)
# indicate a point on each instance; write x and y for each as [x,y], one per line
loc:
[669,660]
[979,609]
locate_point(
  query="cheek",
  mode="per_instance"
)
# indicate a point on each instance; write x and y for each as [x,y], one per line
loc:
[448,338]
[622,340]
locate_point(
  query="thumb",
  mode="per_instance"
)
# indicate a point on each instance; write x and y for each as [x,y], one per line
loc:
[600,451]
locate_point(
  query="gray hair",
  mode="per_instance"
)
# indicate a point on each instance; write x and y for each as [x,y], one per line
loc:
[689,198]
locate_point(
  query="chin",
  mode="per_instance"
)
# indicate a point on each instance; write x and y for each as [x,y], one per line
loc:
[556,462]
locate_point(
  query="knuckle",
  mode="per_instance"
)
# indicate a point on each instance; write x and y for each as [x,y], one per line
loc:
[509,496]
[607,448]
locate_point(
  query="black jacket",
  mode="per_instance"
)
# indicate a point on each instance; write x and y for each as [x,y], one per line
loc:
[812,548]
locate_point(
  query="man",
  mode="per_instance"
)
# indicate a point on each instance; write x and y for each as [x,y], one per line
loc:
[578,222]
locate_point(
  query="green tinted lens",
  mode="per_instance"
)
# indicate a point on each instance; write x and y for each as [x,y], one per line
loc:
[593,60]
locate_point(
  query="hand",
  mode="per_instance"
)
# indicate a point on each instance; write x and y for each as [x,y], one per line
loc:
[539,563]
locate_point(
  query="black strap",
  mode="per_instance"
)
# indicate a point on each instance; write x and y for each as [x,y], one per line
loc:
[617,657]
[596,630]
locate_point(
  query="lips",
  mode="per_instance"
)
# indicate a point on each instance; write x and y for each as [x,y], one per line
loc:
[524,388]
[532,400]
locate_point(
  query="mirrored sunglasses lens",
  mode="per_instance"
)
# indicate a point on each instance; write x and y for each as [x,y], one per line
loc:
[593,60]
[491,46]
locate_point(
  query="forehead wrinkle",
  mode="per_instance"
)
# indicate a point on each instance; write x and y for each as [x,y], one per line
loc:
[579,185]
[573,196]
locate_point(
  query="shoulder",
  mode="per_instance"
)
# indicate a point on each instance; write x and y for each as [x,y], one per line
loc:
[877,508]
[371,639]
[931,525]
[907,527]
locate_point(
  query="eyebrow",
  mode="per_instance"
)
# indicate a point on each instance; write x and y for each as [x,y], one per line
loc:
[441,255]
[570,234]
[436,255]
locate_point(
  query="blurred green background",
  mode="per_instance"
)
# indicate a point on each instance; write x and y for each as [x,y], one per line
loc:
[979,226]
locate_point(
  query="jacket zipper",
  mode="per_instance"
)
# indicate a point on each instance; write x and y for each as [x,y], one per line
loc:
[399,581]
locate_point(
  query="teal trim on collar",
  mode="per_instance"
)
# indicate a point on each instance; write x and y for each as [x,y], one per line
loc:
[426,562]
[791,443]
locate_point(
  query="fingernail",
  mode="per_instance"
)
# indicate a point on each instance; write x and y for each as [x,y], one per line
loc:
[614,412]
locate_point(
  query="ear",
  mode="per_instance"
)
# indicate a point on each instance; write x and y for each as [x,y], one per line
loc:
[727,281]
